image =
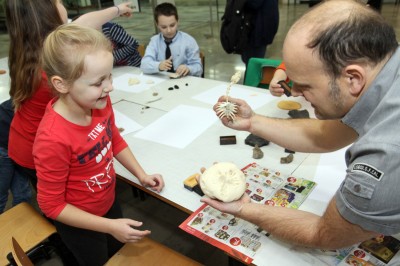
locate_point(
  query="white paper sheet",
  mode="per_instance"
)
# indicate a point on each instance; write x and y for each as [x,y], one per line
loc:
[254,99]
[145,82]
[123,121]
[179,127]
[331,171]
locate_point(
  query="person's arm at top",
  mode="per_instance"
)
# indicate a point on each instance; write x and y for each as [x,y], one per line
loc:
[329,231]
[96,19]
[303,135]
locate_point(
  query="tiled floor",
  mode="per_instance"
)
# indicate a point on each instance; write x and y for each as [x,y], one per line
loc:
[160,218]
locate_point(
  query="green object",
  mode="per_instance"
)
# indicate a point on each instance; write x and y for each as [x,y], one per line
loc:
[254,72]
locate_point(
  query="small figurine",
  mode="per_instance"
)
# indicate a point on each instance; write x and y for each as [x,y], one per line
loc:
[257,152]
[228,109]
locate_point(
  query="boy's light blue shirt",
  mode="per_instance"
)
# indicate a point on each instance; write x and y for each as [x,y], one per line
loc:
[184,50]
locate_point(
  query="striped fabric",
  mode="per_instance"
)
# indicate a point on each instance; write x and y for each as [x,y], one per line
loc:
[124,45]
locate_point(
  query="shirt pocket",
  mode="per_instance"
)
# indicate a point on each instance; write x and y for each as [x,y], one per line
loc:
[358,192]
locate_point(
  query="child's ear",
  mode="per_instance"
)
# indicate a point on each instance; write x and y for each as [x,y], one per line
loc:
[59,84]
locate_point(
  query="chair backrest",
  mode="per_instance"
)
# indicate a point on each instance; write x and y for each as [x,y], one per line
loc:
[141,49]
[27,225]
[19,255]
[260,71]
[203,62]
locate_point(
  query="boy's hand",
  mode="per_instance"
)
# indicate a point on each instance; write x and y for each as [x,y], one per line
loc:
[165,65]
[182,70]
[275,88]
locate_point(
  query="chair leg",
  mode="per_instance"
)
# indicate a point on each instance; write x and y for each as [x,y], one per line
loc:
[138,193]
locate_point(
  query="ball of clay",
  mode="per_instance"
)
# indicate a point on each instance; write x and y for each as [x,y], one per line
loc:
[223,181]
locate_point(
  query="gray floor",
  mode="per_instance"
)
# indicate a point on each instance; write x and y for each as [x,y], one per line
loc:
[160,218]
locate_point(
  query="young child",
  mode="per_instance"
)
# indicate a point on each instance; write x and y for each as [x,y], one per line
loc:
[124,45]
[75,146]
[171,50]
[28,23]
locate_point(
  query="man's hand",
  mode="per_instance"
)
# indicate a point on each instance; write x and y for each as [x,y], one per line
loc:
[244,113]
[233,207]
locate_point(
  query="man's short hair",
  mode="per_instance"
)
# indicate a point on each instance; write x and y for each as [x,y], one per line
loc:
[351,33]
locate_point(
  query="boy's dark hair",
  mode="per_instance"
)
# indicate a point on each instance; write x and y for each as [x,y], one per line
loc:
[165,9]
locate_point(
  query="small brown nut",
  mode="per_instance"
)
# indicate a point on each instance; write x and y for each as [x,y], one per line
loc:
[2,71]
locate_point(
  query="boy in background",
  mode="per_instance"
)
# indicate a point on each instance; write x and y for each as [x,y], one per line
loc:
[171,50]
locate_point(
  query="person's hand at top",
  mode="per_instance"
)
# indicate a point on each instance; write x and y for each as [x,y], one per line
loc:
[182,70]
[124,9]
[154,182]
[275,88]
[123,230]
[243,115]
[165,65]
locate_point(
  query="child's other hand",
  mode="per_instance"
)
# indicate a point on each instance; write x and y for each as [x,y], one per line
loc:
[123,230]
[125,9]
[275,88]
[182,70]
[154,182]
[166,64]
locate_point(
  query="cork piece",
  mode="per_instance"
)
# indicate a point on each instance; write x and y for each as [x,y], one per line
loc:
[2,71]
[287,159]
[257,153]
[289,105]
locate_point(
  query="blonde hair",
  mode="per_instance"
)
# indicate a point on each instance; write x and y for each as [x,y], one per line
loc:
[64,50]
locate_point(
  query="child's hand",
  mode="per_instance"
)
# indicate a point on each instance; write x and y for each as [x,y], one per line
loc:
[182,70]
[275,88]
[122,229]
[154,182]
[125,9]
[165,65]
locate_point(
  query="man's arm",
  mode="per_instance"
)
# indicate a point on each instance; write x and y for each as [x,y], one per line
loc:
[304,135]
[331,231]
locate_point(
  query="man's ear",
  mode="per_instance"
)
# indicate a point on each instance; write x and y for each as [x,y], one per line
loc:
[59,84]
[356,78]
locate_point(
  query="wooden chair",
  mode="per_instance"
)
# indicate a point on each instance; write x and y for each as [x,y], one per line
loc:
[149,252]
[27,225]
[260,71]
[19,255]
[141,49]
